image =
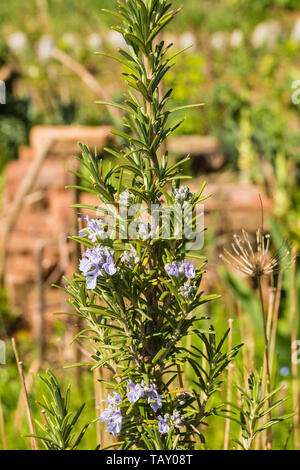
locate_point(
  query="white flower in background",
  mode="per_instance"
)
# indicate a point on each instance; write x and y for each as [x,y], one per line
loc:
[295,36]
[187,39]
[45,48]
[219,41]
[95,41]
[266,34]
[17,41]
[171,38]
[116,39]
[236,38]
[71,40]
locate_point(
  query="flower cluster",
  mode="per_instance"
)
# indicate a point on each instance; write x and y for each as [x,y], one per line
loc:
[130,257]
[137,391]
[178,268]
[168,421]
[112,414]
[94,262]
[182,195]
[187,290]
[95,229]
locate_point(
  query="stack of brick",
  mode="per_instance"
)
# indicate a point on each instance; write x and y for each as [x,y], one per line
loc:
[46,219]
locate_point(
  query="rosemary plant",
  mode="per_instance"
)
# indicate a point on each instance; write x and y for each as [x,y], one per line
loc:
[140,295]
[254,408]
[57,429]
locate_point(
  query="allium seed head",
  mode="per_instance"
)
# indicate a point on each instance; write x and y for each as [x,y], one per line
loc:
[254,260]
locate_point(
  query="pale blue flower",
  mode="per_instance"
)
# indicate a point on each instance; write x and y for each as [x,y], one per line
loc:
[113,417]
[154,398]
[163,426]
[92,263]
[95,229]
[112,414]
[284,371]
[134,391]
[189,270]
[114,425]
[109,267]
[114,399]
[178,268]
[172,269]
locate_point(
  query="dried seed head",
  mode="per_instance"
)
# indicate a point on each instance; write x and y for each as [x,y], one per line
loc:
[254,260]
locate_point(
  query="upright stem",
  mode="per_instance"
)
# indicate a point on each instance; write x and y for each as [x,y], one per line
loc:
[293,342]
[267,361]
[229,385]
[265,336]
[22,379]
[267,436]
[275,318]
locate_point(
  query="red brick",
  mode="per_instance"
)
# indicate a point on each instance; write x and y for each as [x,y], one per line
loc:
[66,138]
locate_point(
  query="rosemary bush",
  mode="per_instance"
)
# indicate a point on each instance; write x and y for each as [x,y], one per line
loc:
[140,296]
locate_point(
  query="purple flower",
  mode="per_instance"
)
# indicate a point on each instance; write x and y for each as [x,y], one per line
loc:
[178,268]
[114,425]
[93,261]
[112,414]
[134,392]
[94,230]
[163,426]
[113,417]
[172,269]
[91,277]
[114,399]
[106,414]
[109,266]
[189,270]
[154,398]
